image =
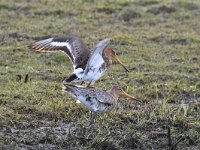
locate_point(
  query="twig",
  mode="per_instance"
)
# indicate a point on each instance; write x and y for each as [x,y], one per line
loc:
[69,131]
[19,77]
[26,78]
[173,146]
[169,137]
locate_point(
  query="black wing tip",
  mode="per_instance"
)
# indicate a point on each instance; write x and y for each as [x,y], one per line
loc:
[70,79]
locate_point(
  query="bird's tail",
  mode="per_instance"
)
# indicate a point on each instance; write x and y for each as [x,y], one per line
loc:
[69,88]
[72,89]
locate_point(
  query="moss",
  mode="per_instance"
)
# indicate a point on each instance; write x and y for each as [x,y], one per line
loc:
[129,14]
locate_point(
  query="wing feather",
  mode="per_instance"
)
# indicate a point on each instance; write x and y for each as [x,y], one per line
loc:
[96,59]
[101,95]
[73,47]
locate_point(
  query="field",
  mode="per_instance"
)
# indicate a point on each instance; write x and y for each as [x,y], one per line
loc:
[159,41]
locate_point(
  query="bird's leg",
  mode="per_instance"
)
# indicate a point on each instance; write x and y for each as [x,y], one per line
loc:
[89,84]
[92,120]
[82,82]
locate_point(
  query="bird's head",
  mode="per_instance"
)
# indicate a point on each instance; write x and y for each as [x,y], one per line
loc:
[118,91]
[109,52]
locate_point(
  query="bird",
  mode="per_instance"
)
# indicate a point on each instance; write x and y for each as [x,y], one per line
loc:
[95,99]
[88,66]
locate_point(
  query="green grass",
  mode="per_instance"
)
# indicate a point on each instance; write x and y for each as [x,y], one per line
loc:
[157,40]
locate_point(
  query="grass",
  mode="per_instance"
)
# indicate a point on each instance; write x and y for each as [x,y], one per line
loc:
[157,40]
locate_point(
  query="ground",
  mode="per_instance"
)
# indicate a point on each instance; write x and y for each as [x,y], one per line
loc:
[158,41]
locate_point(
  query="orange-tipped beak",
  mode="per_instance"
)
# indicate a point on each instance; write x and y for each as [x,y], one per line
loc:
[117,59]
[127,95]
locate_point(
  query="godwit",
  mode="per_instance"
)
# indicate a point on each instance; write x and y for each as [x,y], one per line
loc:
[97,100]
[86,67]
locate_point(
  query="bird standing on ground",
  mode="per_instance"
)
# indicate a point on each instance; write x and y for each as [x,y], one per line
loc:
[97,100]
[87,67]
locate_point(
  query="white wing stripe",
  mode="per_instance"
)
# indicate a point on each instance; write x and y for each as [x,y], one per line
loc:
[61,44]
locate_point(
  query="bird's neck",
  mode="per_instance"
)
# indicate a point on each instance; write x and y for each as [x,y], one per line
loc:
[108,60]
[107,56]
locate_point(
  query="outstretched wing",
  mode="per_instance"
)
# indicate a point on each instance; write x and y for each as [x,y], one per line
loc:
[73,47]
[96,59]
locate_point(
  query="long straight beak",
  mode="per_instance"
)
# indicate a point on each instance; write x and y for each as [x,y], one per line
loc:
[127,95]
[117,59]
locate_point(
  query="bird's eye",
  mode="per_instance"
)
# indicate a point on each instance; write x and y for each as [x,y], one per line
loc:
[114,53]
[120,89]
